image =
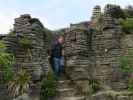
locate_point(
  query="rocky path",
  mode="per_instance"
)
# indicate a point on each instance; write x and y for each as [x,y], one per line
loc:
[66,90]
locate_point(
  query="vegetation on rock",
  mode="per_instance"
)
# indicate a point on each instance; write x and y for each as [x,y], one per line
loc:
[115,11]
[127,25]
[20,83]
[129,11]
[124,16]
[48,87]
[95,85]
[17,82]
[126,64]
[6,61]
[130,84]
[25,42]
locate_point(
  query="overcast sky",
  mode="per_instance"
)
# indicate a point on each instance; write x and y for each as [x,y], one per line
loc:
[54,14]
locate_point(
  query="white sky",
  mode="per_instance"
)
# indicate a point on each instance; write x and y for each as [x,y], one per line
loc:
[54,14]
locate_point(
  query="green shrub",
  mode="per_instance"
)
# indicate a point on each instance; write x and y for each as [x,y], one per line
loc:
[95,85]
[48,87]
[115,11]
[2,46]
[127,25]
[126,64]
[8,73]
[130,84]
[6,58]
[6,61]
[25,42]
[129,11]
[19,83]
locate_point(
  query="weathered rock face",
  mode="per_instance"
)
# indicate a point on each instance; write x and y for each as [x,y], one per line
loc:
[112,95]
[96,12]
[96,17]
[107,48]
[3,86]
[31,28]
[94,53]
[79,56]
[34,58]
[76,48]
[80,25]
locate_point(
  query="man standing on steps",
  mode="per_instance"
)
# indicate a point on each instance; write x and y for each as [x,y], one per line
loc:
[56,56]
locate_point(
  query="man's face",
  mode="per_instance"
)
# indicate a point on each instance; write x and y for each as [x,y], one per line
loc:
[61,40]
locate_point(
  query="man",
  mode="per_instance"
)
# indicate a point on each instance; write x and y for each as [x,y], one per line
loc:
[56,56]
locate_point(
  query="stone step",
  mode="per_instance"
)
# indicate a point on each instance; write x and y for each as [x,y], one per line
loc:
[62,77]
[65,89]
[71,98]
[63,81]
[63,84]
[66,92]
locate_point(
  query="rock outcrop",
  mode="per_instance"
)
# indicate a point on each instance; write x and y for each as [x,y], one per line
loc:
[93,55]
[29,42]
[31,29]
[107,50]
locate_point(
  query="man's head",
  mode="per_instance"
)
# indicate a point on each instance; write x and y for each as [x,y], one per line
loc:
[61,39]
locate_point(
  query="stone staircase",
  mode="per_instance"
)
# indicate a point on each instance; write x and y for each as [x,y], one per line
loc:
[66,90]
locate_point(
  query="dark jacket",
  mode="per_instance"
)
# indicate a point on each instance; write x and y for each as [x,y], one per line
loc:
[56,50]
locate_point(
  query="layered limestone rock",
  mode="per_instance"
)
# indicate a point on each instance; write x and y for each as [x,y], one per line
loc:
[96,19]
[76,48]
[107,48]
[94,53]
[113,95]
[96,12]
[33,58]
[78,57]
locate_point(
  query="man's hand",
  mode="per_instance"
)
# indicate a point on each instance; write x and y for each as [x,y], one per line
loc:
[63,52]
[48,57]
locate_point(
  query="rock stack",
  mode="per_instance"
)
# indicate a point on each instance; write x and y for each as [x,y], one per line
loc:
[81,25]
[96,12]
[95,54]
[28,27]
[107,47]
[96,18]
[22,24]
[34,58]
[77,47]
[108,21]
